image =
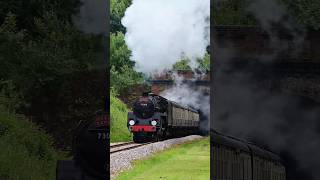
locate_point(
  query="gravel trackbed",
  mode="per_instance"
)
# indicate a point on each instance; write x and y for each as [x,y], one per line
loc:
[121,161]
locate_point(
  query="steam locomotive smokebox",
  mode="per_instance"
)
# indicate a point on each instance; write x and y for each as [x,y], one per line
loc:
[91,144]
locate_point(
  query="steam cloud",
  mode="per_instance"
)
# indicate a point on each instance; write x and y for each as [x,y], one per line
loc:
[272,14]
[284,123]
[184,94]
[267,12]
[160,32]
[92,17]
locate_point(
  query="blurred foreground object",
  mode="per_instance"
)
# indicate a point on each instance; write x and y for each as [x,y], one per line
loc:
[90,150]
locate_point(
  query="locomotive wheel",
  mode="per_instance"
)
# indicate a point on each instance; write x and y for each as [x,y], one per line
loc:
[137,138]
[163,135]
[156,137]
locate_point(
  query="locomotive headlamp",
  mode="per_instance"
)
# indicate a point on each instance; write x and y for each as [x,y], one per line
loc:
[153,122]
[131,122]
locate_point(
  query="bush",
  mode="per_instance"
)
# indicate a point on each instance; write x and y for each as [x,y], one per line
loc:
[25,151]
[118,122]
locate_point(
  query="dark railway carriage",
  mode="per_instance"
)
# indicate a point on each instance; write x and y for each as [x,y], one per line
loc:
[155,118]
[235,159]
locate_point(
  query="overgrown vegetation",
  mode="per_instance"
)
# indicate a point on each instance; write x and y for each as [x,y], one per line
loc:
[50,79]
[123,77]
[187,161]
[118,125]
[47,69]
[26,152]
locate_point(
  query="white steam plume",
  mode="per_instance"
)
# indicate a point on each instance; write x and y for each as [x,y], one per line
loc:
[185,94]
[160,32]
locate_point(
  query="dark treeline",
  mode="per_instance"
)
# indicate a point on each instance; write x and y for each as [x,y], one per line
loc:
[50,72]
[248,12]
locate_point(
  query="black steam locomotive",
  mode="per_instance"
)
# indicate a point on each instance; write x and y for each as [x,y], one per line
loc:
[232,158]
[155,118]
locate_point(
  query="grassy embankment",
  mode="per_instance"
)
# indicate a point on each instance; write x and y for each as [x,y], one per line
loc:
[189,161]
[26,152]
[118,124]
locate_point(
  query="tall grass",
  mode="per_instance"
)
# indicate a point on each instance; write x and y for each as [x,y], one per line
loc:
[26,152]
[118,124]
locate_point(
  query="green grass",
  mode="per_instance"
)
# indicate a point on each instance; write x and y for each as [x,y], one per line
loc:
[118,124]
[26,152]
[189,161]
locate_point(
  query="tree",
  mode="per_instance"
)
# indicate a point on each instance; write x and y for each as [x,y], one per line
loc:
[27,10]
[122,74]
[119,52]
[54,71]
[306,12]
[202,64]
[182,65]
[235,12]
[231,12]
[118,8]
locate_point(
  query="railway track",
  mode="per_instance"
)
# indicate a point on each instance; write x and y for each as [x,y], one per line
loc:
[125,146]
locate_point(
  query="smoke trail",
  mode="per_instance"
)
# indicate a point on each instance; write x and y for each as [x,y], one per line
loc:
[187,95]
[93,17]
[245,107]
[261,9]
[272,16]
[160,32]
[284,123]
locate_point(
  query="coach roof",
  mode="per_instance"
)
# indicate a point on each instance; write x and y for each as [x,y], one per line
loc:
[239,144]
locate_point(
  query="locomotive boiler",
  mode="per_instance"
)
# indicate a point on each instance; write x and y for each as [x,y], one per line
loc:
[155,118]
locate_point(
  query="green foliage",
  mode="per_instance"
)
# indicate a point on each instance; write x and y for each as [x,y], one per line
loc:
[182,65]
[234,12]
[231,12]
[122,74]
[125,78]
[119,52]
[118,122]
[51,73]
[54,72]
[190,160]
[10,97]
[203,64]
[118,7]
[25,151]
[306,12]
[27,10]
[11,40]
